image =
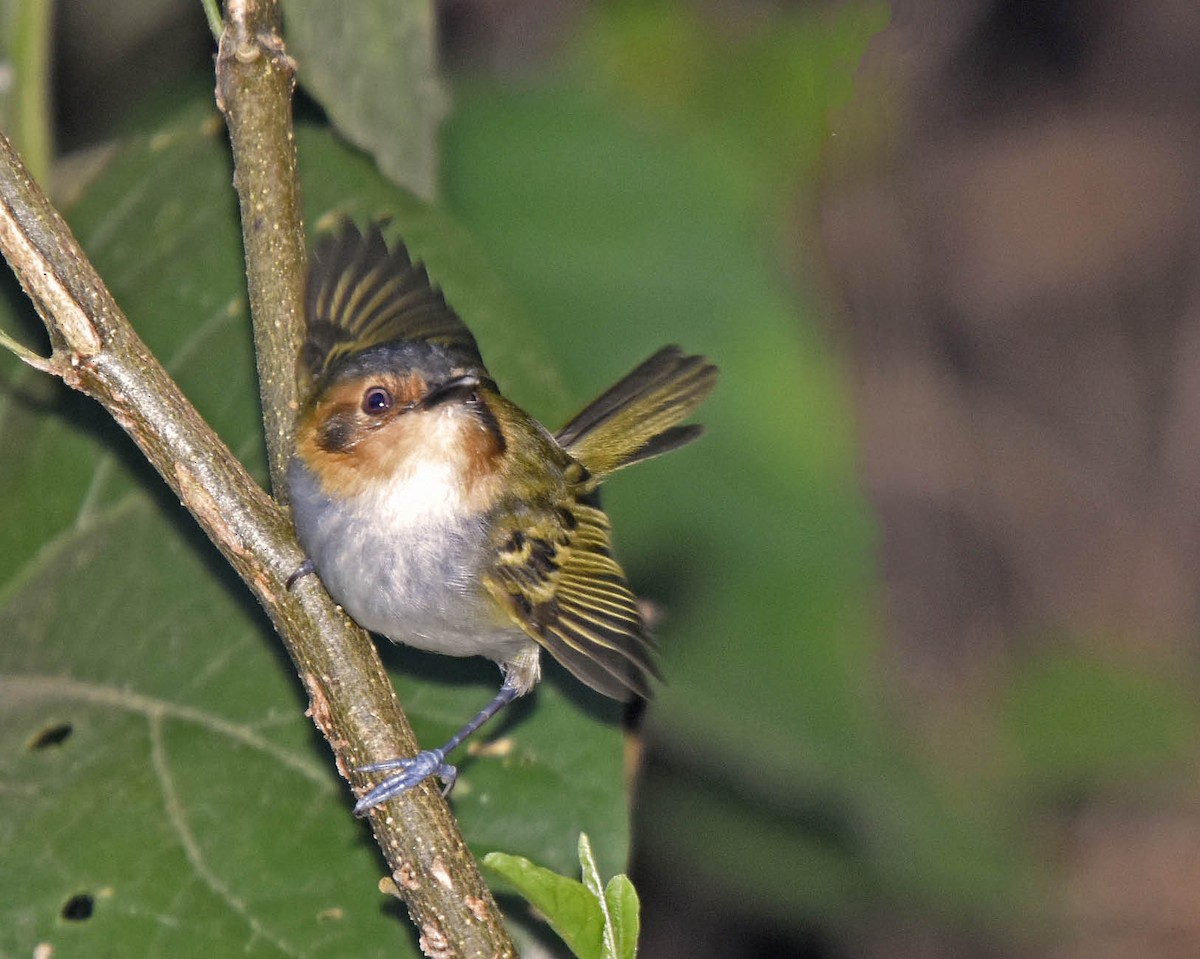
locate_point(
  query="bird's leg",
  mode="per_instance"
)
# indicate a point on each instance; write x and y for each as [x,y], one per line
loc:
[431,762]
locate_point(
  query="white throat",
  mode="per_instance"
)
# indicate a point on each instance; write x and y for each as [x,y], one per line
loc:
[427,492]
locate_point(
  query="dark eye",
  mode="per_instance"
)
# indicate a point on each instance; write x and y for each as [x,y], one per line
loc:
[376,400]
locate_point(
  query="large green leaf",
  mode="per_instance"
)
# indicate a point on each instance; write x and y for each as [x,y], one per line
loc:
[161,792]
[372,67]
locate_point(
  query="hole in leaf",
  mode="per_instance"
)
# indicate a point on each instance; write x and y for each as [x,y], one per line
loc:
[53,735]
[79,907]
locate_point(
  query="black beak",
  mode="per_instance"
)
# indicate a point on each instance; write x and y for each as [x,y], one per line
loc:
[460,386]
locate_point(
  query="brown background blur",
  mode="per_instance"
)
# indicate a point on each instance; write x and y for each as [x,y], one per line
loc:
[1017,258]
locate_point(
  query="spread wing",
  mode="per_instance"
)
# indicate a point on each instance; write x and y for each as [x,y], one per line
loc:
[556,577]
[634,419]
[361,294]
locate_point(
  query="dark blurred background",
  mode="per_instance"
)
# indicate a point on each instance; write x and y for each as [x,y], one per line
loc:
[1018,267]
[998,248]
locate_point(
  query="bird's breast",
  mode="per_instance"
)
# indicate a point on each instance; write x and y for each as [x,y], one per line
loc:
[405,560]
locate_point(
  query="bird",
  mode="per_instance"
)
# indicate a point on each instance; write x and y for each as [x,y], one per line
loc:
[439,514]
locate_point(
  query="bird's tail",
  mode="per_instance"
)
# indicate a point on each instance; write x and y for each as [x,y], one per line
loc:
[635,418]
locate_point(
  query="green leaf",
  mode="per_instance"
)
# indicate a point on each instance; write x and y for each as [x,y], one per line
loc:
[371,65]
[159,785]
[594,921]
[624,912]
[588,867]
[592,882]
[571,909]
[25,114]
[621,930]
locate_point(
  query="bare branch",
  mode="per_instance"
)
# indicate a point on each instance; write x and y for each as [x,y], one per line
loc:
[255,78]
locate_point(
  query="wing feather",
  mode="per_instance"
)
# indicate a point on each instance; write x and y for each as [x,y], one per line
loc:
[635,418]
[558,581]
[361,294]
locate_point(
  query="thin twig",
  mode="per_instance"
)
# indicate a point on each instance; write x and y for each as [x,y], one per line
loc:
[255,78]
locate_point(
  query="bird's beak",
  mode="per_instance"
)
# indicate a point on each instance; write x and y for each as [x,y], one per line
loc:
[449,390]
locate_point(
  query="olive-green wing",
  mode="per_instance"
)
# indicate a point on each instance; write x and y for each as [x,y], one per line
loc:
[555,576]
[635,418]
[361,294]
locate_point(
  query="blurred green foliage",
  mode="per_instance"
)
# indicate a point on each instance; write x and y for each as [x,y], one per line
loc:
[25,45]
[628,220]
[1079,722]
[652,189]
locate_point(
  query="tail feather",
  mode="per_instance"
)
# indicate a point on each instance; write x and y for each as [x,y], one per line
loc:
[635,418]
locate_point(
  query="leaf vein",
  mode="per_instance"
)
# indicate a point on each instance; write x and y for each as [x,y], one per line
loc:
[177,817]
[14,688]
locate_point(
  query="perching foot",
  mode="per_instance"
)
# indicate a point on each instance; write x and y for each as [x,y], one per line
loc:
[304,569]
[428,762]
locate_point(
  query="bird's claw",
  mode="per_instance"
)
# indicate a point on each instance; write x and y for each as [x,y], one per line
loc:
[413,770]
[304,569]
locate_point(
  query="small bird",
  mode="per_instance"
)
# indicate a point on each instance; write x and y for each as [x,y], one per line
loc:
[442,516]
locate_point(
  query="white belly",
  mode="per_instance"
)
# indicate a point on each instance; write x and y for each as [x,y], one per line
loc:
[405,565]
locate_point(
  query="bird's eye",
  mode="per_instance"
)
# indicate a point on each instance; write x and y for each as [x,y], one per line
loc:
[376,400]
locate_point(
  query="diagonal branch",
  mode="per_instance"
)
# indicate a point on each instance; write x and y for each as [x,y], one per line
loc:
[96,351]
